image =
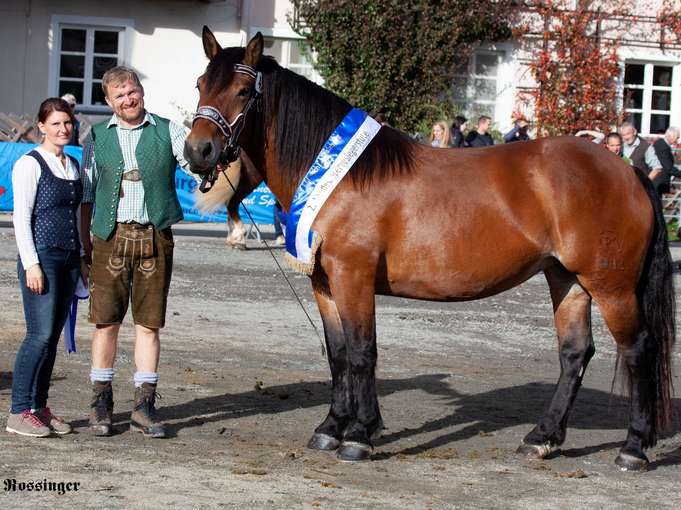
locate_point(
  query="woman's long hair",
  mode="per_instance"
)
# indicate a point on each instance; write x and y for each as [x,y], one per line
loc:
[444,141]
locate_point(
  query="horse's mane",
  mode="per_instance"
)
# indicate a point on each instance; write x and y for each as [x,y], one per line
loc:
[302,115]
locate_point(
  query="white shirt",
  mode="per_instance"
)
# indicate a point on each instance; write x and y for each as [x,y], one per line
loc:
[25,176]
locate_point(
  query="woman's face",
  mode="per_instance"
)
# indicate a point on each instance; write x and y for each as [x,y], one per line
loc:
[57,128]
[437,132]
[463,127]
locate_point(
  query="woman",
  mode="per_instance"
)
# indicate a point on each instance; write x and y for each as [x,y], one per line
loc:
[439,135]
[47,195]
[458,129]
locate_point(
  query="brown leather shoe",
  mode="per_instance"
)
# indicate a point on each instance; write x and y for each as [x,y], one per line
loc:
[143,418]
[102,408]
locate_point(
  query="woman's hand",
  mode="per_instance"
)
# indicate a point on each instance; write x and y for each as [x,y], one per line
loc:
[84,270]
[35,280]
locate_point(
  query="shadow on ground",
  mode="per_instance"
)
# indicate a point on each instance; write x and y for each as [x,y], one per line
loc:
[484,412]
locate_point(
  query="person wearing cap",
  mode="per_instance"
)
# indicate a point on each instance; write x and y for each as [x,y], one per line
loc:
[75,134]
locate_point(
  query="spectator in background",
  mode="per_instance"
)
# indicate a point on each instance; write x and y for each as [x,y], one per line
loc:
[279,238]
[519,131]
[641,153]
[663,150]
[612,141]
[457,132]
[480,137]
[75,134]
[439,135]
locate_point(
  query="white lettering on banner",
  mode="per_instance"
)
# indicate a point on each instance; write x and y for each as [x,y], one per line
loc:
[328,182]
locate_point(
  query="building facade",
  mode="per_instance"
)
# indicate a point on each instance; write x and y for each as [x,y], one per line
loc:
[61,46]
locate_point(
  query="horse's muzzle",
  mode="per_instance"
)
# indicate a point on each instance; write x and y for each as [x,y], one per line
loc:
[202,155]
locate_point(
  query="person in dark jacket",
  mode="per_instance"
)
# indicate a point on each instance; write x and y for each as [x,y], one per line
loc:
[663,149]
[457,138]
[519,132]
[480,137]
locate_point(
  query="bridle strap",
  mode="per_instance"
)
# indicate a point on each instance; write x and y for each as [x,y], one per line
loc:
[230,130]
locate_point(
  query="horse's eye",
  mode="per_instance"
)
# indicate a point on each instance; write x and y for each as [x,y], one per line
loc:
[243,92]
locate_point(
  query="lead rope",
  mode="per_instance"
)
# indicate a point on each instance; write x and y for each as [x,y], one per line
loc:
[281,270]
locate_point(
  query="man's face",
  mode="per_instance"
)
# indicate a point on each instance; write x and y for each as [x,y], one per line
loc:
[483,126]
[628,134]
[672,138]
[127,101]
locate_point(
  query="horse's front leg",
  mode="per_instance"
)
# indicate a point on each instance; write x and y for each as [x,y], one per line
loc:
[572,313]
[329,433]
[353,292]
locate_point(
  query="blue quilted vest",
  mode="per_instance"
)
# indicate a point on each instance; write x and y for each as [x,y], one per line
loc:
[54,214]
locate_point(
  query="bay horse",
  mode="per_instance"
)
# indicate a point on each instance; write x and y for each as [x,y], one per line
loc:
[452,225]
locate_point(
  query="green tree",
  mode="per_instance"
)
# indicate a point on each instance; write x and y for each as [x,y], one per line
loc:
[398,56]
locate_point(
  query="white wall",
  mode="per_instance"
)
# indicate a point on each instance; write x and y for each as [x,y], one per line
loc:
[163,45]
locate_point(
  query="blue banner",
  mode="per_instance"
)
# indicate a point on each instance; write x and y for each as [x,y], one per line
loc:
[260,203]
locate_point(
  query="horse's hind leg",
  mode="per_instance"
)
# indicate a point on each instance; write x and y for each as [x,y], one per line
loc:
[638,351]
[572,314]
[328,434]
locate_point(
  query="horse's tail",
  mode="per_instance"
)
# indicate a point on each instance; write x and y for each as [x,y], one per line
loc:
[655,292]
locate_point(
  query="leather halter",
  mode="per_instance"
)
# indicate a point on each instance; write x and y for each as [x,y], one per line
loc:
[230,130]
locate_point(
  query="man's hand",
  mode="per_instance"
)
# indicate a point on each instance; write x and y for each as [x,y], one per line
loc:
[654,173]
[35,280]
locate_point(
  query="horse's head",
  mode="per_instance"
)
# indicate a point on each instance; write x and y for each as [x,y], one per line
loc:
[227,91]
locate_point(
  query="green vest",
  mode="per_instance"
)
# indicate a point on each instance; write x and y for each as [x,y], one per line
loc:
[157,165]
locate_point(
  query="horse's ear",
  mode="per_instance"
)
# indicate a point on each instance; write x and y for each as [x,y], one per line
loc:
[254,50]
[210,43]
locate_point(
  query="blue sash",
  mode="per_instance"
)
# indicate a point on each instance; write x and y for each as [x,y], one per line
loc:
[339,153]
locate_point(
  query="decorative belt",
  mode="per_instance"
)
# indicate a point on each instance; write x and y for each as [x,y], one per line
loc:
[132,175]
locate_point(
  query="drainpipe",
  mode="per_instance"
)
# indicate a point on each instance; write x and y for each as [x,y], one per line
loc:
[29,10]
[245,15]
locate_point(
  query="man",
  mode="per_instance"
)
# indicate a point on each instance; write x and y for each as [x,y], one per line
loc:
[519,132]
[639,151]
[480,136]
[75,134]
[663,150]
[128,174]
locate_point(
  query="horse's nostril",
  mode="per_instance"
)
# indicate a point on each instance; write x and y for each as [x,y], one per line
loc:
[207,150]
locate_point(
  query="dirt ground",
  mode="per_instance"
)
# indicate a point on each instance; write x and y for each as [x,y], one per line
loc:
[243,385]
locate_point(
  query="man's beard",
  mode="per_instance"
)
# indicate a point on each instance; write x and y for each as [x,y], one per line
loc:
[127,114]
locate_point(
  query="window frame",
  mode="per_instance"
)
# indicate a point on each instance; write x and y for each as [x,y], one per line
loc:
[646,111]
[90,24]
[288,37]
[470,102]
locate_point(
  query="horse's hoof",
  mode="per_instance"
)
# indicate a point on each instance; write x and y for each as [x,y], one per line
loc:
[378,432]
[535,451]
[238,246]
[627,462]
[322,442]
[352,451]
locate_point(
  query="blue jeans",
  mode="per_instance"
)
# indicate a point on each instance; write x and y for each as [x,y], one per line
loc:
[45,317]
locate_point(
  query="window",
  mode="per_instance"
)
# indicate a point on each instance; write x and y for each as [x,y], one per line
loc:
[475,86]
[289,53]
[84,55]
[648,96]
